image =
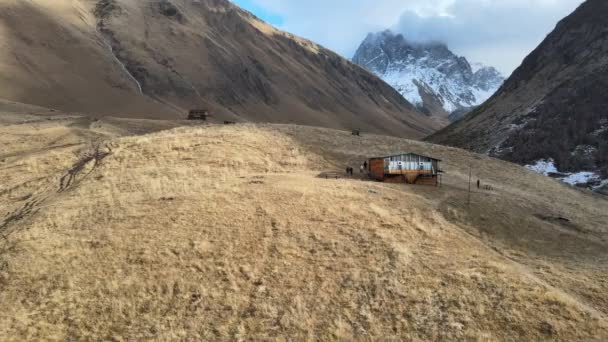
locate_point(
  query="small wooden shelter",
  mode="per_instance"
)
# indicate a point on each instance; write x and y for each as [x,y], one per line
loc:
[407,168]
[198,114]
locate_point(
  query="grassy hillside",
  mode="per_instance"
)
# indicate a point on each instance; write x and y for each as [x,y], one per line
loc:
[218,232]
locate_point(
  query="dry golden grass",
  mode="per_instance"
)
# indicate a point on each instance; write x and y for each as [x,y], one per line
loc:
[226,233]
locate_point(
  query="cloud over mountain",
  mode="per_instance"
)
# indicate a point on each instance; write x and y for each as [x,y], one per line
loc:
[498,32]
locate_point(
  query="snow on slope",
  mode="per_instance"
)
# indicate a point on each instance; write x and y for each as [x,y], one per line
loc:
[547,167]
[415,69]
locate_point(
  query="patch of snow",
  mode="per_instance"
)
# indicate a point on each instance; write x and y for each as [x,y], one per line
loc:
[403,82]
[580,178]
[482,95]
[375,58]
[601,185]
[498,149]
[583,150]
[603,128]
[403,78]
[543,166]
[514,127]
[547,167]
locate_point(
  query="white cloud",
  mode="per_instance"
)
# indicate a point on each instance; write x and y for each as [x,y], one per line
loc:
[499,32]
[496,32]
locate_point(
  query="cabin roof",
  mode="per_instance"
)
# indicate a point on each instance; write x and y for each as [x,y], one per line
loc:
[405,154]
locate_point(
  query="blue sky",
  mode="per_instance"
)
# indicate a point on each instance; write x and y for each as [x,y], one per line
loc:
[499,33]
[261,12]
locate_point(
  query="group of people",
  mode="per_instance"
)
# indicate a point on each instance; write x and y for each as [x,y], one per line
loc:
[350,171]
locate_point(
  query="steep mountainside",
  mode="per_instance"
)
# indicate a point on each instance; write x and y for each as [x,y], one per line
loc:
[428,75]
[551,113]
[160,58]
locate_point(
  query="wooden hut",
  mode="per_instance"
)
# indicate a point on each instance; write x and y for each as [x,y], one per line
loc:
[407,168]
[198,114]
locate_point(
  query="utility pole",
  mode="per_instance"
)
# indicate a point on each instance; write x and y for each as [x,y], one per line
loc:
[470,174]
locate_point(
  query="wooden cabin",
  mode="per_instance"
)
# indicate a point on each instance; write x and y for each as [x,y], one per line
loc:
[198,114]
[409,168]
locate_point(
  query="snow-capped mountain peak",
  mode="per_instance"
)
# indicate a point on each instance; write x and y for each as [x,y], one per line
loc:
[428,75]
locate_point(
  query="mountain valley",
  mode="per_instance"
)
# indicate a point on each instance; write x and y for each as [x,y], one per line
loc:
[121,220]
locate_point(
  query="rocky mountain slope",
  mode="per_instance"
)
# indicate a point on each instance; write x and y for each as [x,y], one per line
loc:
[222,232]
[158,59]
[428,75]
[551,113]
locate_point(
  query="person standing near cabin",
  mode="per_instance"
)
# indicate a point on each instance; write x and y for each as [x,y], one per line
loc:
[365,165]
